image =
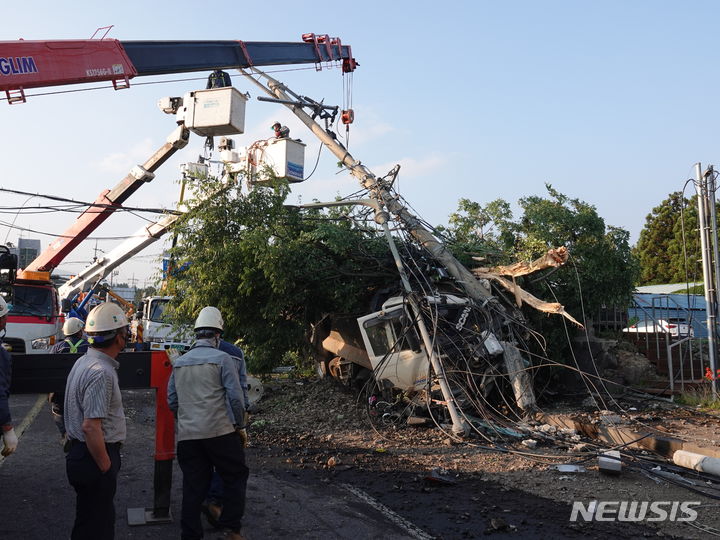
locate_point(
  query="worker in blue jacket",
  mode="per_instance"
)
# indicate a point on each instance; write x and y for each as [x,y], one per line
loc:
[212,507]
[10,440]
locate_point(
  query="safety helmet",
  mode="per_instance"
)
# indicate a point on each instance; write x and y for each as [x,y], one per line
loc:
[72,326]
[105,317]
[4,310]
[278,124]
[209,317]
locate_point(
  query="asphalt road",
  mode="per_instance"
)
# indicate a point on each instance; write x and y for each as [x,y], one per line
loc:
[283,500]
[38,503]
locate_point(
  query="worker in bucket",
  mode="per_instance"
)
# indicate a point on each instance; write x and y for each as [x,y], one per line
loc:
[204,394]
[95,423]
[74,342]
[10,440]
[281,132]
[212,507]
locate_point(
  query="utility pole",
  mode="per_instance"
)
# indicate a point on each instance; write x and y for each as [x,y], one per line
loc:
[705,182]
[382,218]
[379,191]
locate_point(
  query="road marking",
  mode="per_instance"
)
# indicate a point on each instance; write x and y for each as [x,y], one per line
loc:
[41,400]
[410,528]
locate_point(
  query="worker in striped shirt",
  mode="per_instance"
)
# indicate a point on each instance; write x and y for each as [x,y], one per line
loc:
[95,423]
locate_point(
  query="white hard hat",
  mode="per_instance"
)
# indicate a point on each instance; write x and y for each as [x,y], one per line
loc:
[209,317]
[105,317]
[3,307]
[72,326]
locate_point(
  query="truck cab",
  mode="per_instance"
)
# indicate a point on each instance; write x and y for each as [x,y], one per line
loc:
[393,347]
[35,321]
[158,334]
[393,343]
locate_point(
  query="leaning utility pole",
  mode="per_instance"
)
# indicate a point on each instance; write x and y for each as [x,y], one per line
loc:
[521,381]
[708,244]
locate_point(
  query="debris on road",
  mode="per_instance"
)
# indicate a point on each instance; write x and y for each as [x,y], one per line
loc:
[530,443]
[439,476]
[568,467]
[609,462]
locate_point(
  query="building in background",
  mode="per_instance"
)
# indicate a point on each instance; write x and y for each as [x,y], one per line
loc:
[27,250]
[127,293]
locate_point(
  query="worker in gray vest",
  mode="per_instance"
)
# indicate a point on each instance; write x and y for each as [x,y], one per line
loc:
[10,440]
[205,395]
[73,343]
[95,422]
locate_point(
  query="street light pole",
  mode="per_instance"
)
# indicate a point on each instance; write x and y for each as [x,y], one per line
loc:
[706,244]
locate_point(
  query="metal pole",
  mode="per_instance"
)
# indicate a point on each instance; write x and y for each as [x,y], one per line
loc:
[711,185]
[370,181]
[702,192]
[460,427]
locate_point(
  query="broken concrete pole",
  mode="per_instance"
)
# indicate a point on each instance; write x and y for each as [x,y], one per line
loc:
[697,462]
[519,377]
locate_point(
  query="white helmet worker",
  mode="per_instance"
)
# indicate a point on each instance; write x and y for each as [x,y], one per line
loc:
[4,310]
[72,326]
[209,318]
[105,317]
[103,322]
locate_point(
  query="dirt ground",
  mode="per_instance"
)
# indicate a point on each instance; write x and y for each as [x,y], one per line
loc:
[316,426]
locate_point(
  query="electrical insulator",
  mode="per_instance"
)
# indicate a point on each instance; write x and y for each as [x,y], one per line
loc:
[347,116]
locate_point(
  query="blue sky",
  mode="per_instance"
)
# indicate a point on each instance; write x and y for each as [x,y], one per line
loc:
[610,102]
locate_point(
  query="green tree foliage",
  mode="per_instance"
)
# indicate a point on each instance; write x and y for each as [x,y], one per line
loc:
[480,231]
[669,247]
[272,270]
[601,270]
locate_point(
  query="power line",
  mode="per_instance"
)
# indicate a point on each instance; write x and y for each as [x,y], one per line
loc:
[108,86]
[92,205]
[26,229]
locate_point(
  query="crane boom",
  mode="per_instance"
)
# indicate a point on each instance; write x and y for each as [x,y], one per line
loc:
[31,64]
[130,247]
[107,202]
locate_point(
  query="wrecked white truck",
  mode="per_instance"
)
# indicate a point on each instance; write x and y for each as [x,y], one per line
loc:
[481,350]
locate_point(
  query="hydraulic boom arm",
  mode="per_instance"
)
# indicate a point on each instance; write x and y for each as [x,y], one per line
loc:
[108,201]
[29,64]
[32,64]
[131,247]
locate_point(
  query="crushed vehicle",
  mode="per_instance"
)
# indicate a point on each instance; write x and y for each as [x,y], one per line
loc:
[384,353]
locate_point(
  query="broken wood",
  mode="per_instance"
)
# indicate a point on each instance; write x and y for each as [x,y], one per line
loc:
[554,258]
[529,299]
